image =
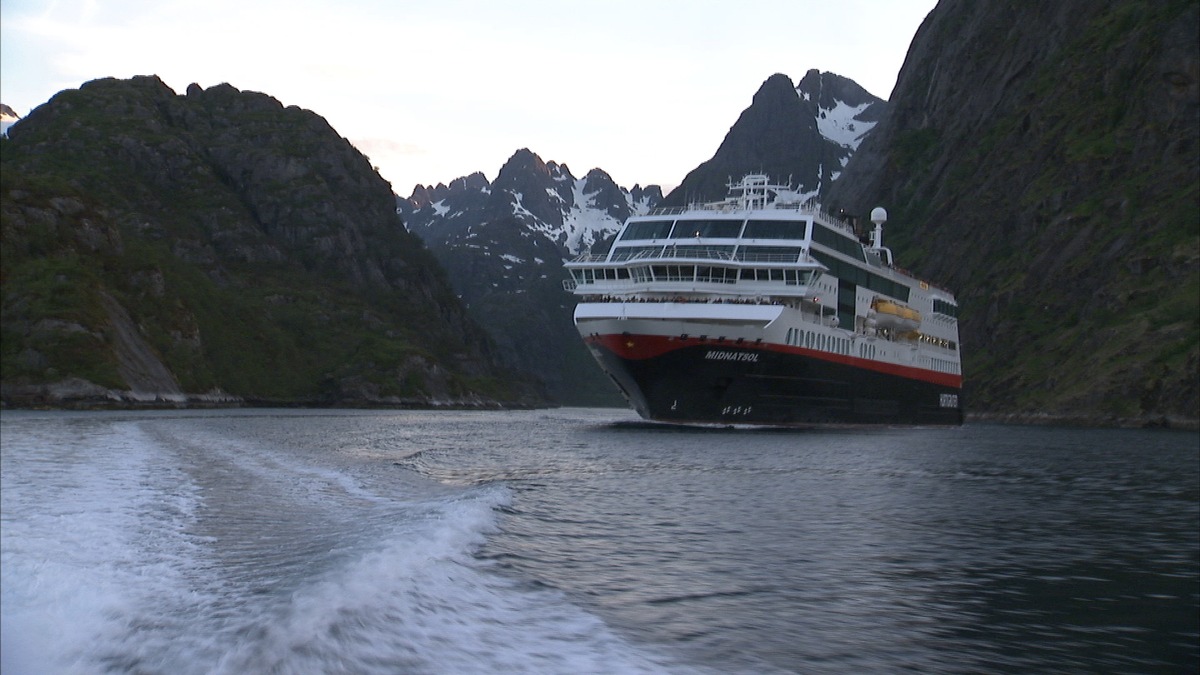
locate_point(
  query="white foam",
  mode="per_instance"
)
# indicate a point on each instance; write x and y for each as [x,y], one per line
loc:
[87,536]
[423,602]
[164,547]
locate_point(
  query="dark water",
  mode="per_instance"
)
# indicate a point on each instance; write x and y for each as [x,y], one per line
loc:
[583,541]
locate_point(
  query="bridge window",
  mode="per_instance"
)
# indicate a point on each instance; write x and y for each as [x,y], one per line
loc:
[770,253]
[652,229]
[630,252]
[727,229]
[774,229]
[842,244]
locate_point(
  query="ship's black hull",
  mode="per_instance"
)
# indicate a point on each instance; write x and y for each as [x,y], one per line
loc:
[710,384]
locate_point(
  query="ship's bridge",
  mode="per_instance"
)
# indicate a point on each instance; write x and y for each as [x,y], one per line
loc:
[695,270]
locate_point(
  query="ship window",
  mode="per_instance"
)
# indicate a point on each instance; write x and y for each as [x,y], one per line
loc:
[630,252]
[842,244]
[715,275]
[651,229]
[726,229]
[710,274]
[673,272]
[861,277]
[770,253]
[774,229]
[947,308]
[693,251]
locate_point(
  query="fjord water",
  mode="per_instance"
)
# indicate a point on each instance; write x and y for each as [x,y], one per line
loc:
[584,541]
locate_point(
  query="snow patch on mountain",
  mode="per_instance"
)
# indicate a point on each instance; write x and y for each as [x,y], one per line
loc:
[584,223]
[840,124]
[8,117]
[518,208]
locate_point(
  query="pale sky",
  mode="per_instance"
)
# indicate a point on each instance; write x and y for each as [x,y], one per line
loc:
[434,90]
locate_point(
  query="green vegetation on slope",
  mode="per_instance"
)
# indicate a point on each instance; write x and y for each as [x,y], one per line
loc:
[255,250]
[1059,195]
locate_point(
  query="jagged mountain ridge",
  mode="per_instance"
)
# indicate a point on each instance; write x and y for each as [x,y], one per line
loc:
[175,248]
[503,244]
[545,197]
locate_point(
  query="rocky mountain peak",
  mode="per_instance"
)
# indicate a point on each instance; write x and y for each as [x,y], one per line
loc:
[804,133]
[423,196]
[827,90]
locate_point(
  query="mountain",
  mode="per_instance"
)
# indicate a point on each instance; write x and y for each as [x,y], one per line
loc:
[807,132]
[217,247]
[1043,160]
[503,244]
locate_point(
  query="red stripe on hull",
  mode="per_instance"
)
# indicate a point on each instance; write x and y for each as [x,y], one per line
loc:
[638,347]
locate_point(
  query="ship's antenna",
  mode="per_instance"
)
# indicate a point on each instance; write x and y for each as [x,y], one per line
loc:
[879,217]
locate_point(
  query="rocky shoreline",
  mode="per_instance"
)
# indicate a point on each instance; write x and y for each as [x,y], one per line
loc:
[79,394]
[1085,420]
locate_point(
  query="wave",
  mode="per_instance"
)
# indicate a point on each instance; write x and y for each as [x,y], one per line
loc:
[167,546]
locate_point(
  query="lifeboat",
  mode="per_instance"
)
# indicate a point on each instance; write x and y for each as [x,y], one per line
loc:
[894,315]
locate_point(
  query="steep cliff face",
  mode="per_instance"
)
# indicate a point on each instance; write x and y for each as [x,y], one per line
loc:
[220,244]
[1042,159]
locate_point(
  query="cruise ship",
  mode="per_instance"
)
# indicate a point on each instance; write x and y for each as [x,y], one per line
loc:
[764,310]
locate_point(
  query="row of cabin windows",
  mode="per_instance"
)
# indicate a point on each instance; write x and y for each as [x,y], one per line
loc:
[698,273]
[838,345]
[943,365]
[810,340]
[940,342]
[715,229]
